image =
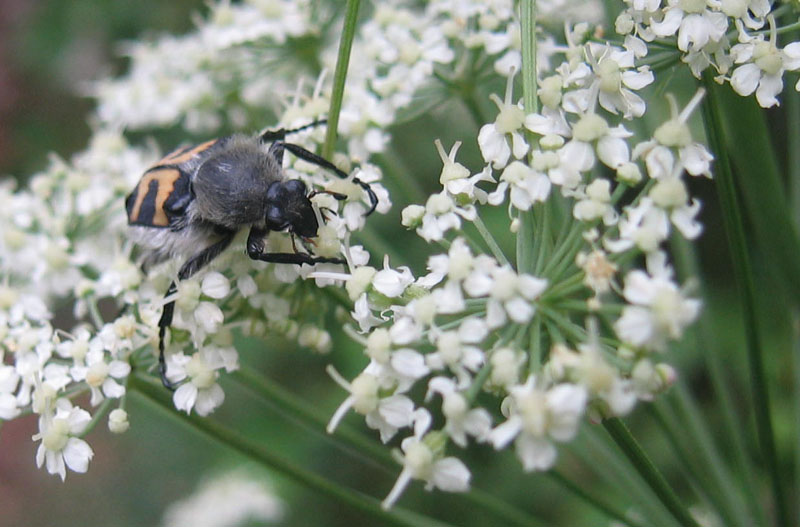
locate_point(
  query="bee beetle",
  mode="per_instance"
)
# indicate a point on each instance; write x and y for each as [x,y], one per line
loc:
[198,197]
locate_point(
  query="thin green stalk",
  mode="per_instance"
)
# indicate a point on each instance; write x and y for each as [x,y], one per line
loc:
[796,388]
[699,487]
[340,75]
[94,313]
[703,444]
[734,229]
[525,254]
[698,458]
[536,351]
[395,169]
[714,358]
[622,436]
[502,510]
[792,104]
[268,458]
[347,437]
[542,234]
[565,250]
[528,33]
[297,409]
[593,501]
[474,109]
[497,252]
[617,473]
[98,415]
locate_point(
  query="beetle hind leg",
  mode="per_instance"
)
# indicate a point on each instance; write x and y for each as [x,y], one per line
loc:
[163,323]
[187,270]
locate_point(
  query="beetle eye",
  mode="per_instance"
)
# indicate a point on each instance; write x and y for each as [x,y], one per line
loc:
[275,216]
[274,191]
[295,186]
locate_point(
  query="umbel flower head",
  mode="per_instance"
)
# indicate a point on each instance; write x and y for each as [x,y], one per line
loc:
[547,294]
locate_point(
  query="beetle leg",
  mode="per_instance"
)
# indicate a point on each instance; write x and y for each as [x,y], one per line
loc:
[187,270]
[313,158]
[255,250]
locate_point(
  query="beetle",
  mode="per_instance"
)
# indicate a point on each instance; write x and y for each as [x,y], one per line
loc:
[195,200]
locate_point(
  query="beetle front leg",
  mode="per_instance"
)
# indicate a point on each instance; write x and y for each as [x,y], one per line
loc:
[256,251]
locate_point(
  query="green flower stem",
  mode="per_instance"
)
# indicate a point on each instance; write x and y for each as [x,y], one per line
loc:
[98,415]
[528,29]
[340,75]
[565,253]
[536,350]
[731,428]
[94,313]
[700,465]
[525,235]
[345,437]
[616,473]
[581,305]
[309,416]
[622,436]
[497,252]
[564,288]
[269,459]
[377,244]
[593,501]
[348,438]
[395,169]
[702,442]
[792,99]
[796,374]
[734,228]
[474,110]
[544,245]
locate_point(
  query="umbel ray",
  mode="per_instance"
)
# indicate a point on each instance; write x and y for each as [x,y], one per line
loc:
[200,196]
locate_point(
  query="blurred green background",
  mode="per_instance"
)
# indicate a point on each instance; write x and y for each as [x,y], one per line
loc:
[48,51]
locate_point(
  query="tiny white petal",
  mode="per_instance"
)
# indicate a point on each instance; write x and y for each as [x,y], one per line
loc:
[451,475]
[215,285]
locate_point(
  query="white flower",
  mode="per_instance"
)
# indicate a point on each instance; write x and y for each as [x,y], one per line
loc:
[527,185]
[420,461]
[456,179]
[611,83]
[455,352]
[385,414]
[764,65]
[200,391]
[118,421]
[493,138]
[442,214]
[537,417]
[694,24]
[60,448]
[390,282]
[658,310]
[461,420]
[596,204]
[102,376]
[215,285]
[227,500]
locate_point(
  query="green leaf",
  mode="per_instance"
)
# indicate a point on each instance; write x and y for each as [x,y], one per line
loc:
[758,179]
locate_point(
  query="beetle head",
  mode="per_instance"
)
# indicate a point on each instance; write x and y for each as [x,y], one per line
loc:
[288,206]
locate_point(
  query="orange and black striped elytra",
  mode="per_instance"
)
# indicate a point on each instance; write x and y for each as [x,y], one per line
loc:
[194,201]
[164,190]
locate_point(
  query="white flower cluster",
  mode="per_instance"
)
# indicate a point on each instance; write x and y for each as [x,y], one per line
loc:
[477,324]
[726,35]
[485,347]
[65,242]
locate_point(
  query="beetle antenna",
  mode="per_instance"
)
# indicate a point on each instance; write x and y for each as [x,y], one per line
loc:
[278,135]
